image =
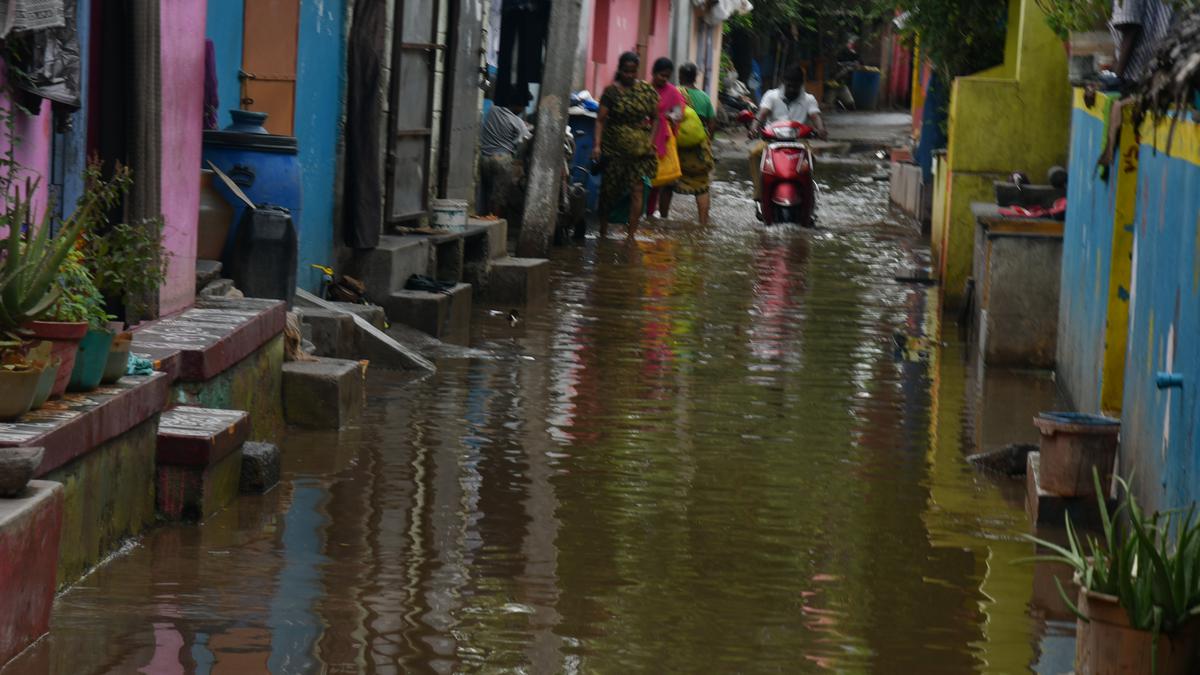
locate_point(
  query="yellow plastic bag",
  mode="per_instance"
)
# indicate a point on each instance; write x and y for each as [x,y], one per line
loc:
[669,169]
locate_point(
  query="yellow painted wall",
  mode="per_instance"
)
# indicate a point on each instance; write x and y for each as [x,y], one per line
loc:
[1116,329]
[1014,117]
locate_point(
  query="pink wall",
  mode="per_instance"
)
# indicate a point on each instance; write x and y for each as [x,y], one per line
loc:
[182,23]
[33,147]
[622,36]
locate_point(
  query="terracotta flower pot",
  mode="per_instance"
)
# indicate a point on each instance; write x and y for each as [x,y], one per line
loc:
[1108,645]
[17,389]
[118,358]
[65,337]
[91,360]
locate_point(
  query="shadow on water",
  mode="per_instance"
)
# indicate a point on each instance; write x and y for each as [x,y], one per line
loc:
[710,453]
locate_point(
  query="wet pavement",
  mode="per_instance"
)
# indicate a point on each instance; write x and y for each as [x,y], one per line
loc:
[724,449]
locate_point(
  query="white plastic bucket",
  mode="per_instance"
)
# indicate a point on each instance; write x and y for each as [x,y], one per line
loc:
[449,214]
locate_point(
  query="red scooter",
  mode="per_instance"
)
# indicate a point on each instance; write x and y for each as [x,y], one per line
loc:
[788,190]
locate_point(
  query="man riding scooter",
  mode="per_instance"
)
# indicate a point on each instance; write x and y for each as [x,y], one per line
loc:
[788,103]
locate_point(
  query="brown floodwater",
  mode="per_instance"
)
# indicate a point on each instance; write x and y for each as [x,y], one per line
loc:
[729,449]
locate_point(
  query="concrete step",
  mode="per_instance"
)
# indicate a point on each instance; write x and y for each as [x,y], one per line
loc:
[519,282]
[387,267]
[445,316]
[198,462]
[323,394]
[31,528]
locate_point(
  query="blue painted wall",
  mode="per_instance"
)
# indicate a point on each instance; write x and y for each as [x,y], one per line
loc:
[70,149]
[320,88]
[1087,252]
[225,28]
[1159,439]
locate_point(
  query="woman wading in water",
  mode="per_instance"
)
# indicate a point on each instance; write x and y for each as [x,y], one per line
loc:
[625,129]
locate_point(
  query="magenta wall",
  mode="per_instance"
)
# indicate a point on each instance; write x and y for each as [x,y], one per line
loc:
[621,36]
[33,147]
[182,23]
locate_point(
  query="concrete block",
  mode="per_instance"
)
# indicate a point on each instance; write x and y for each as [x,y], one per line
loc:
[333,333]
[445,316]
[261,466]
[1049,510]
[497,236]
[207,271]
[30,532]
[324,394]
[519,281]
[194,493]
[373,314]
[385,268]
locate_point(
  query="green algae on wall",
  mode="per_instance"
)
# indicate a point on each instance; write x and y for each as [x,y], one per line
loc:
[254,385]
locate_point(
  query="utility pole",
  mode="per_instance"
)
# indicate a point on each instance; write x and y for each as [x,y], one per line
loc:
[546,164]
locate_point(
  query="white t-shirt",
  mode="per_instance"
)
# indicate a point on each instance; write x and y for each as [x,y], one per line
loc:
[796,110]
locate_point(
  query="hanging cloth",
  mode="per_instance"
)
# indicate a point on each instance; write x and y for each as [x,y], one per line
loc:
[212,102]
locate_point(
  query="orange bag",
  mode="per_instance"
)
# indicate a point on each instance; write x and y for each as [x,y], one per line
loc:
[669,169]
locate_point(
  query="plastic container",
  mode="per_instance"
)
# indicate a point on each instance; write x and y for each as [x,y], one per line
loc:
[864,86]
[1072,444]
[262,262]
[265,166]
[449,214]
[90,361]
[584,129]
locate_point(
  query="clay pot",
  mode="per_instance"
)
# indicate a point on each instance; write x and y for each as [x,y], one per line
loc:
[46,383]
[118,358]
[17,389]
[1072,444]
[91,361]
[1108,645]
[16,469]
[65,337]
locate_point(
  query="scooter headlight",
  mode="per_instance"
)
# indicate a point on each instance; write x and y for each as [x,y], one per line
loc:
[784,133]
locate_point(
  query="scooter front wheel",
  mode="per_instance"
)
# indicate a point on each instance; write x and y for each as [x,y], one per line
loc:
[786,214]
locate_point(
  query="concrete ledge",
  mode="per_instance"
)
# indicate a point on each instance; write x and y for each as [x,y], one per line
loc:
[212,337]
[1049,510]
[30,531]
[190,436]
[197,492]
[445,316]
[324,394]
[389,265]
[261,467]
[519,281]
[78,423]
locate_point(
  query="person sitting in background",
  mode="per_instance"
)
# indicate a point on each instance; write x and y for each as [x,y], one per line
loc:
[1137,28]
[500,148]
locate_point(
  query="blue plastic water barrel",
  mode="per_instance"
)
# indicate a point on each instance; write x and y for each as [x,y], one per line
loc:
[864,86]
[265,166]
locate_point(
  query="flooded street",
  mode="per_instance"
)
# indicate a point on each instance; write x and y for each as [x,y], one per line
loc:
[729,449]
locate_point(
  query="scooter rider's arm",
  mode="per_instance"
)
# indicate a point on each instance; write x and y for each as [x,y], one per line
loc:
[818,123]
[761,118]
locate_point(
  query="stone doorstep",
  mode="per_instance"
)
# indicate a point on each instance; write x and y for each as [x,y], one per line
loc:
[1049,510]
[519,281]
[199,437]
[323,394]
[197,492]
[446,316]
[30,531]
[211,337]
[77,423]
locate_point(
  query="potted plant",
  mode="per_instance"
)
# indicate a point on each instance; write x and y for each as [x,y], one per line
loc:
[1139,589]
[18,384]
[128,263]
[118,358]
[79,301]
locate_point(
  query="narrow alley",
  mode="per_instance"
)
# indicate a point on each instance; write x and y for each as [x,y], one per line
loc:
[717,449]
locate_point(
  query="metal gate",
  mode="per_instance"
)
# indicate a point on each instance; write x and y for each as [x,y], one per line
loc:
[414,57]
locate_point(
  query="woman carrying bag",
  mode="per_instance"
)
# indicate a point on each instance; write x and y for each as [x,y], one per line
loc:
[694,146]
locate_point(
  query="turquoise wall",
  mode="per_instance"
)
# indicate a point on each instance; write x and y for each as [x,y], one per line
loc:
[224,28]
[1159,441]
[1087,252]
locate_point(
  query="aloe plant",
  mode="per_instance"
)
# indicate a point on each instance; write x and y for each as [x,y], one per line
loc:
[1150,563]
[31,258]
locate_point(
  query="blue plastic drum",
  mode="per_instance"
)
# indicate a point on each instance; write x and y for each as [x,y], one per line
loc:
[265,166]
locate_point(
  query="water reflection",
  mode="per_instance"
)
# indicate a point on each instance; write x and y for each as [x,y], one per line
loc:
[723,449]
